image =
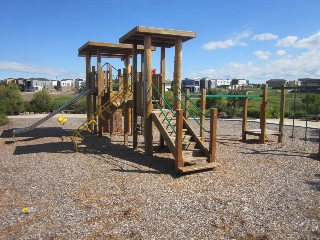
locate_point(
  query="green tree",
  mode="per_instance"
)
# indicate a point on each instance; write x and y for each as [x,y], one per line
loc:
[41,102]
[10,99]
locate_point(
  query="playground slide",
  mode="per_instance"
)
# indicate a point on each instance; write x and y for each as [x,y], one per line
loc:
[26,129]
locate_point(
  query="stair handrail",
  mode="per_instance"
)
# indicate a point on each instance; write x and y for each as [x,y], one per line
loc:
[165,116]
[164,100]
[189,110]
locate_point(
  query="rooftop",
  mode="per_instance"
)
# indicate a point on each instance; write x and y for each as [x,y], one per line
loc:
[160,36]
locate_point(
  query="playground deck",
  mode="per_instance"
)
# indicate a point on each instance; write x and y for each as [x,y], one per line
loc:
[109,191]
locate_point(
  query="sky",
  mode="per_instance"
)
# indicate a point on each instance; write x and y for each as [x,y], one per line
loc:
[256,40]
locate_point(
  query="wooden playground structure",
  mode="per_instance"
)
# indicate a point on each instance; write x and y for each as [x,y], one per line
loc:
[119,97]
[141,94]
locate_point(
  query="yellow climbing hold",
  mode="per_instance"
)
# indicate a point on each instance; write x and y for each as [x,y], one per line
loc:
[62,120]
[25,210]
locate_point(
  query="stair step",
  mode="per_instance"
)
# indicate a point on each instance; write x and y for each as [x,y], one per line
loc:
[192,153]
[188,145]
[198,160]
[185,138]
[197,167]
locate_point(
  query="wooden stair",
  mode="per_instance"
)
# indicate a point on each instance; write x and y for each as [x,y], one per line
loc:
[195,155]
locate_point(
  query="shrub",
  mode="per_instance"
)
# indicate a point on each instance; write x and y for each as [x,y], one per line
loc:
[11,100]
[3,119]
[253,113]
[41,102]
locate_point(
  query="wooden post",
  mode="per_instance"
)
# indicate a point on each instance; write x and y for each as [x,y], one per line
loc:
[88,83]
[186,103]
[142,78]
[94,96]
[245,118]
[148,137]
[281,121]
[213,134]
[264,114]
[162,88]
[126,74]
[110,82]
[177,73]
[100,88]
[202,117]
[134,111]
[179,126]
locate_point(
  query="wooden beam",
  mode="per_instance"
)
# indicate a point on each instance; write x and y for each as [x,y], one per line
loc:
[178,153]
[94,96]
[213,134]
[245,118]
[126,76]
[203,109]
[177,73]
[88,84]
[281,121]
[148,137]
[263,119]
[162,87]
[100,88]
[134,111]
[186,103]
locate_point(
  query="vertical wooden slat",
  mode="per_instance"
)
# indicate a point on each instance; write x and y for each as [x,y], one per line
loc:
[245,118]
[177,73]
[187,104]
[203,109]
[148,138]
[126,74]
[100,88]
[213,134]
[162,87]
[94,96]
[134,88]
[88,83]
[264,114]
[178,142]
[281,122]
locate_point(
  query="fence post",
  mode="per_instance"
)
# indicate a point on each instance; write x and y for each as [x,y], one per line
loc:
[178,141]
[213,134]
[245,118]
[202,117]
[281,123]
[263,118]
[186,103]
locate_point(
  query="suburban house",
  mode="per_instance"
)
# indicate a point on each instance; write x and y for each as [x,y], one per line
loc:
[277,82]
[192,84]
[79,83]
[67,85]
[39,84]
[236,83]
[310,82]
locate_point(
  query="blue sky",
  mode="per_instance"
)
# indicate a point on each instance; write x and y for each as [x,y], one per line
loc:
[251,39]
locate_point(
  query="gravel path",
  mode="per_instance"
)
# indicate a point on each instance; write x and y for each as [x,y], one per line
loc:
[109,191]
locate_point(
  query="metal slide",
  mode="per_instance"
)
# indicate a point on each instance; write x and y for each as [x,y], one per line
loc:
[26,129]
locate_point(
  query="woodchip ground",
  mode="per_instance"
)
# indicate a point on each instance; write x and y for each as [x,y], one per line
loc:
[109,191]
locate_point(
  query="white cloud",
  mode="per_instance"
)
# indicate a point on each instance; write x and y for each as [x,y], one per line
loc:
[262,54]
[306,64]
[220,44]
[311,42]
[234,40]
[264,37]
[281,52]
[287,41]
[19,67]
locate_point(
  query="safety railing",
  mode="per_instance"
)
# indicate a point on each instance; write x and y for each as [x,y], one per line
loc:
[166,104]
[187,109]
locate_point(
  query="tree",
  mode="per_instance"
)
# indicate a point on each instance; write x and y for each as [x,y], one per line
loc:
[41,102]
[10,99]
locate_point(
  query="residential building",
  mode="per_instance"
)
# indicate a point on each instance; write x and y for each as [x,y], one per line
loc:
[221,83]
[310,82]
[236,83]
[277,83]
[79,83]
[39,84]
[206,83]
[66,85]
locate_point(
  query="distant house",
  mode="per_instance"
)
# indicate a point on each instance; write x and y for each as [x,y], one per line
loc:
[221,83]
[236,83]
[39,84]
[79,83]
[277,82]
[66,85]
[310,82]
[206,83]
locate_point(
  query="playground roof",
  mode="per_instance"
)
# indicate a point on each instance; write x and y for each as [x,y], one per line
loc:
[159,36]
[115,50]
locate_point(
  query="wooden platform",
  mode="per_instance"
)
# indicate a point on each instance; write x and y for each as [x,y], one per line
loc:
[160,36]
